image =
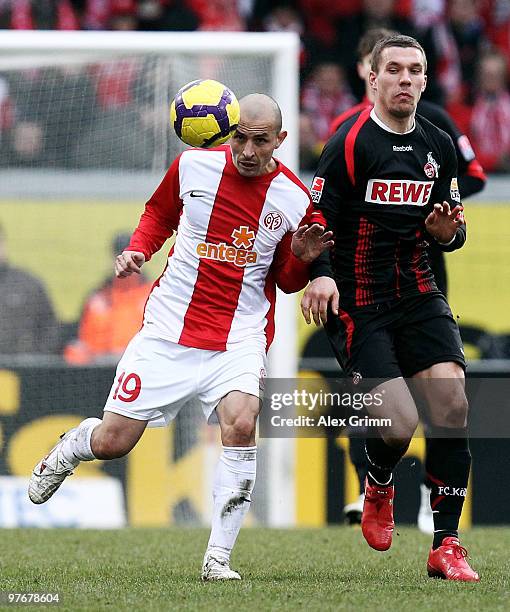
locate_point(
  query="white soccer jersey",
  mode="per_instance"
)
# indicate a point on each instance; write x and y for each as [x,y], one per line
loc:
[231,249]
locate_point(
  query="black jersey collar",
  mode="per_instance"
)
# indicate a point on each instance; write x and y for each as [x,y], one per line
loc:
[375,118]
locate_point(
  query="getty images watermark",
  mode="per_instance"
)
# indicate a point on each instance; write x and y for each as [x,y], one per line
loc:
[298,408]
[324,407]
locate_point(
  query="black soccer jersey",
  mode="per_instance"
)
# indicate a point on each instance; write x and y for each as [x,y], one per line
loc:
[375,188]
[471,178]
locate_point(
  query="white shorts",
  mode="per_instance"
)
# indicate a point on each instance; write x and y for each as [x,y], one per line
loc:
[155,378]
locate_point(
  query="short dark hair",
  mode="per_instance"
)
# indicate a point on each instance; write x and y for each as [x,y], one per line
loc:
[396,40]
[369,39]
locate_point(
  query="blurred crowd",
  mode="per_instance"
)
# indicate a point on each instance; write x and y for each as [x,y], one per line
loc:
[467,44]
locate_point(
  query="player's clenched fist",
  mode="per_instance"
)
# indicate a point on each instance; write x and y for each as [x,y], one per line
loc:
[319,293]
[128,262]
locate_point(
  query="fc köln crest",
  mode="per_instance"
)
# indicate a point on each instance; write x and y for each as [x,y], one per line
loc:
[431,168]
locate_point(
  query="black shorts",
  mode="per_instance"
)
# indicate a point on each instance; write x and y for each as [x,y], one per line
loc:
[396,339]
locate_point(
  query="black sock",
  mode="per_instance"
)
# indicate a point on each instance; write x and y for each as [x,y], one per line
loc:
[359,460]
[382,460]
[426,480]
[448,464]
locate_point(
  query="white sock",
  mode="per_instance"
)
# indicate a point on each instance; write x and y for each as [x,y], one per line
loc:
[233,484]
[76,447]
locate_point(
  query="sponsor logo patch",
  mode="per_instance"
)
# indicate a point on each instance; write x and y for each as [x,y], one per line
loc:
[399,192]
[316,190]
[240,253]
[402,148]
[243,237]
[454,190]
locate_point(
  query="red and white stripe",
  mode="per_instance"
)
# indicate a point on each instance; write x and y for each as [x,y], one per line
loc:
[212,304]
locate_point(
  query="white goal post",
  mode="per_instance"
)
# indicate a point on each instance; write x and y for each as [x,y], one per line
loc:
[265,62]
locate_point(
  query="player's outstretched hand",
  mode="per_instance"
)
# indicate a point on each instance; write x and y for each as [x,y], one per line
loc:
[128,262]
[308,242]
[442,223]
[319,293]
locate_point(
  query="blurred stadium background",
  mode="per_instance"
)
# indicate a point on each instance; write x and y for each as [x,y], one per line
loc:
[85,140]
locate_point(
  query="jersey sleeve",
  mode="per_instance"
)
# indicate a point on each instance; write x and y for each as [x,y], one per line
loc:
[446,186]
[447,189]
[327,196]
[161,215]
[289,272]
[471,176]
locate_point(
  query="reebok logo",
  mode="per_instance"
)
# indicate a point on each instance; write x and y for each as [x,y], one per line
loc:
[398,192]
[402,148]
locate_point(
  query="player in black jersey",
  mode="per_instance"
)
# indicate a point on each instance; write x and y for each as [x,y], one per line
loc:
[471,180]
[471,177]
[386,180]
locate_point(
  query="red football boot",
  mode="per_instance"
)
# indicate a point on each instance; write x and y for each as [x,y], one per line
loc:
[377,521]
[448,561]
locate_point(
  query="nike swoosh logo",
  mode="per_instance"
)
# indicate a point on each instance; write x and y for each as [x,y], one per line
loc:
[194,194]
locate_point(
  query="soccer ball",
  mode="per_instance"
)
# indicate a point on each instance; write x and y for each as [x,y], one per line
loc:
[204,113]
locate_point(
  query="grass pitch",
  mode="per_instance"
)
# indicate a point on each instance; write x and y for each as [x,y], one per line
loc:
[322,569]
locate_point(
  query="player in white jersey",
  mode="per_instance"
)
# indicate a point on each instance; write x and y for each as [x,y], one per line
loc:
[242,221]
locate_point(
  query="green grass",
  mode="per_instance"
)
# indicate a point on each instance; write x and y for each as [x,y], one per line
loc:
[323,569]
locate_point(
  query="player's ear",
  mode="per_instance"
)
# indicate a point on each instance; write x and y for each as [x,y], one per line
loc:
[424,83]
[372,79]
[280,138]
